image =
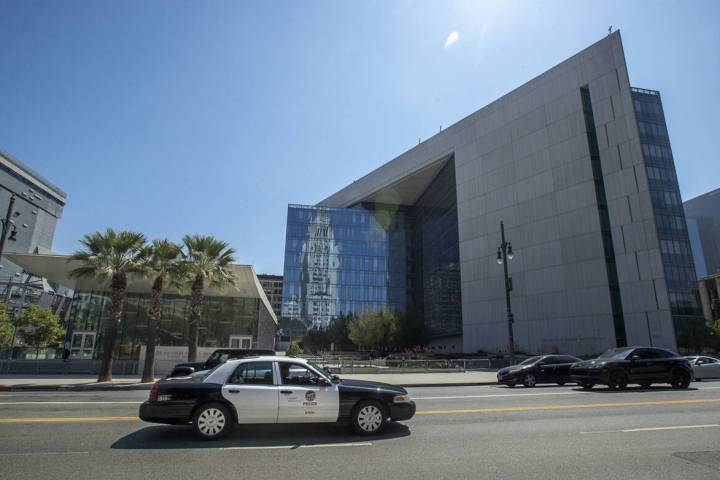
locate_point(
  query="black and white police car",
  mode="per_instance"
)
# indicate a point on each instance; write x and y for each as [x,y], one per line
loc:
[270,389]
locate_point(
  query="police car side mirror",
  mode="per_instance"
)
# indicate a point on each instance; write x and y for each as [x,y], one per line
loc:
[335,379]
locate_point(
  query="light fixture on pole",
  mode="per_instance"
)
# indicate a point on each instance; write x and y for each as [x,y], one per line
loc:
[505,253]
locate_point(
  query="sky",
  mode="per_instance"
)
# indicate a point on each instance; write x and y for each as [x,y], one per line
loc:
[177,117]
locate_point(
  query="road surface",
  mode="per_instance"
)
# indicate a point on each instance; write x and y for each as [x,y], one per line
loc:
[491,432]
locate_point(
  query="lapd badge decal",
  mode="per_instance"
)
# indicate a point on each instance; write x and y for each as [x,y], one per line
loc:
[309,403]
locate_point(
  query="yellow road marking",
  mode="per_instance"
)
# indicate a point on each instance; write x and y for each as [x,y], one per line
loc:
[420,412]
[567,407]
[68,419]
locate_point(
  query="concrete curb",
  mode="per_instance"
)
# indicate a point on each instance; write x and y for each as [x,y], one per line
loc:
[75,388]
[148,386]
[458,384]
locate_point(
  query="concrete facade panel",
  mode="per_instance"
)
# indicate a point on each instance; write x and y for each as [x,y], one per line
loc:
[525,160]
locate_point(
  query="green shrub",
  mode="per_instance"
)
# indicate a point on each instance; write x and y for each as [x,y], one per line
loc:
[294,350]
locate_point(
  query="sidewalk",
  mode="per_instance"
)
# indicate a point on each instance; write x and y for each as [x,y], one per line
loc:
[122,382]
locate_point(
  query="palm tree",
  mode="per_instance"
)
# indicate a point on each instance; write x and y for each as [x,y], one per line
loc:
[164,265]
[207,262]
[110,256]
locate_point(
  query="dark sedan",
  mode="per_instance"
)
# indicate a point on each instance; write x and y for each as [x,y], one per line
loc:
[219,356]
[264,390]
[540,369]
[619,367]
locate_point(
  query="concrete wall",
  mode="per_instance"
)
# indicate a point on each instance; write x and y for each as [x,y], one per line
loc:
[524,159]
[267,329]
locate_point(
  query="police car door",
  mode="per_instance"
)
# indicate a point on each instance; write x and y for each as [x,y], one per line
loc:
[305,396]
[251,389]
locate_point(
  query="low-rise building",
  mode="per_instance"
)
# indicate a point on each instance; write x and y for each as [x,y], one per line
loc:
[238,316]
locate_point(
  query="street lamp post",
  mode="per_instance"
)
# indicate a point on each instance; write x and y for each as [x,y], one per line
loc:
[7,225]
[505,253]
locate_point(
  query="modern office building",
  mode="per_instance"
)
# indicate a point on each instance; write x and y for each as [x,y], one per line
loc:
[272,286]
[710,297]
[37,207]
[578,166]
[238,316]
[703,221]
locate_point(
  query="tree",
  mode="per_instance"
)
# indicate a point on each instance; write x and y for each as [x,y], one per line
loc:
[207,262]
[163,265]
[6,328]
[374,329]
[294,350]
[112,256]
[412,331]
[337,332]
[41,327]
[316,340]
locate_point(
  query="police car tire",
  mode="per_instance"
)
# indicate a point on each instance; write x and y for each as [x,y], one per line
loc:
[212,421]
[369,418]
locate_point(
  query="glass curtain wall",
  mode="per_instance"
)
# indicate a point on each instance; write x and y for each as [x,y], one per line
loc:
[669,218]
[344,261]
[222,317]
[435,270]
[341,262]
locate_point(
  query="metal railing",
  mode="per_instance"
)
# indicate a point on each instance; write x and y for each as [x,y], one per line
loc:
[381,365]
[644,90]
[58,367]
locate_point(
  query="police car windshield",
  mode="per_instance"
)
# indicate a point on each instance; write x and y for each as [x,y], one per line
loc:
[320,370]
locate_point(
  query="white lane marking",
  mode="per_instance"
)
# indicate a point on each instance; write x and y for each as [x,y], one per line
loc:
[654,429]
[533,394]
[292,447]
[25,454]
[500,395]
[69,403]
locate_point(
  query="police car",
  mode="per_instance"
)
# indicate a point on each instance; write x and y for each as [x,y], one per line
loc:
[270,389]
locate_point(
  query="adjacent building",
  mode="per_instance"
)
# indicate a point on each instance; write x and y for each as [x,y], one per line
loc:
[37,205]
[37,208]
[272,286]
[703,222]
[238,316]
[578,166]
[710,297]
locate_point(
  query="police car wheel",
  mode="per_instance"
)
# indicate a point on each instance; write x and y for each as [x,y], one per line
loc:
[212,421]
[369,418]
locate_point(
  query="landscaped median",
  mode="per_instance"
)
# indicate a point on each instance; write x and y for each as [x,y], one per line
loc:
[82,384]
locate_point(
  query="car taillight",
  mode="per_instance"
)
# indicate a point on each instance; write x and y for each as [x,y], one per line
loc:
[154,393]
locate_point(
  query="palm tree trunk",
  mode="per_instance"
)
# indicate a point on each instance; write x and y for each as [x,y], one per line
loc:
[117,285]
[196,299]
[154,318]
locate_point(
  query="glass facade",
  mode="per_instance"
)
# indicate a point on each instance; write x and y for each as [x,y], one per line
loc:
[669,215]
[222,318]
[344,261]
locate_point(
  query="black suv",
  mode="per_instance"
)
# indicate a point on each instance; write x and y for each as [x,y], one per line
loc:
[618,367]
[216,358]
[534,370]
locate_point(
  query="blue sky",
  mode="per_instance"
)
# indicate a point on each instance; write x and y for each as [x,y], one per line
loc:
[174,117]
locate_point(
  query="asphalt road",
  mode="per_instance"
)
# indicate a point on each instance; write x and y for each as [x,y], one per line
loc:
[460,432]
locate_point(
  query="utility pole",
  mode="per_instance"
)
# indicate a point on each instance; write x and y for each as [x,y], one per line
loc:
[504,254]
